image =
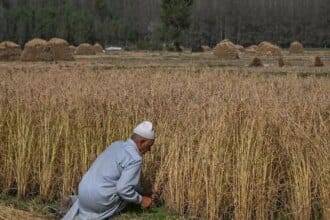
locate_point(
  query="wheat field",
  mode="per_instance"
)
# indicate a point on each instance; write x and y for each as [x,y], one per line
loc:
[232,143]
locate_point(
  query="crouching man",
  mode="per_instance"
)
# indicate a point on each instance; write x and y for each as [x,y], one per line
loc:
[112,180]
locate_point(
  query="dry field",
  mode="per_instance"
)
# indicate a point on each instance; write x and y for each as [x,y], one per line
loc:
[233,142]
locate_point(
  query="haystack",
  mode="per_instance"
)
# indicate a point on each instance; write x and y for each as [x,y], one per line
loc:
[318,62]
[267,49]
[226,50]
[9,51]
[60,49]
[240,48]
[296,48]
[256,62]
[85,49]
[98,48]
[251,49]
[72,49]
[37,50]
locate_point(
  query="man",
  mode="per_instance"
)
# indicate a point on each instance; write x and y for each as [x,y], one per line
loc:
[113,179]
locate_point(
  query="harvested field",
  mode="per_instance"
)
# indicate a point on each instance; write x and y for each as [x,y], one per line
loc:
[233,141]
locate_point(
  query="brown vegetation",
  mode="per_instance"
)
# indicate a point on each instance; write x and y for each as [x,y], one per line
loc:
[230,144]
[72,49]
[53,50]
[98,48]
[251,49]
[9,51]
[85,49]
[226,50]
[296,48]
[8,213]
[60,49]
[268,49]
[37,50]
[240,48]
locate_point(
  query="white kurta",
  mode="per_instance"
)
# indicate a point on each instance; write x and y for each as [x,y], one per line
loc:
[110,183]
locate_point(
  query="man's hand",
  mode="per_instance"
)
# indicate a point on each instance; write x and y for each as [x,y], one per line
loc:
[156,195]
[146,202]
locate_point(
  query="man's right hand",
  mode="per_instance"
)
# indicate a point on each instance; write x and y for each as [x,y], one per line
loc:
[146,202]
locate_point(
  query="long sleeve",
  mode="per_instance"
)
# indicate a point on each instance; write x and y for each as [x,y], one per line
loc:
[128,182]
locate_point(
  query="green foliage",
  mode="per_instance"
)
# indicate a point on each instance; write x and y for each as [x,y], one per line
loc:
[148,45]
[82,26]
[101,9]
[21,18]
[175,16]
[182,22]
[45,22]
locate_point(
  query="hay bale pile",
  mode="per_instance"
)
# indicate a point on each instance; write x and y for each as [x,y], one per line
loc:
[268,49]
[251,49]
[9,51]
[98,48]
[60,49]
[256,62]
[85,49]
[226,50]
[72,49]
[41,50]
[37,50]
[240,48]
[296,48]
[318,62]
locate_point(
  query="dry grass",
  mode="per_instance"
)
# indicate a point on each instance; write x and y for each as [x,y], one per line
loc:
[232,143]
[8,213]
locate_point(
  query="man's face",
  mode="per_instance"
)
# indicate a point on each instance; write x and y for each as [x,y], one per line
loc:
[146,146]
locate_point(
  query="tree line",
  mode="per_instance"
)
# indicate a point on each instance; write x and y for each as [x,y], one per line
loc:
[151,23]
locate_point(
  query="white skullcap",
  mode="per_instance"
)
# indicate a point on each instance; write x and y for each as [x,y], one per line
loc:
[145,130]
